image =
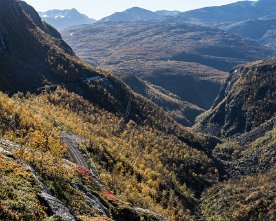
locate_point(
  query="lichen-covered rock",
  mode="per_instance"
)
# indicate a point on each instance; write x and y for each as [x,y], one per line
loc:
[57,207]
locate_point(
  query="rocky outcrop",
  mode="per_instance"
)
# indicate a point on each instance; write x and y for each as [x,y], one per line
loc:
[251,153]
[247,100]
[94,201]
[56,207]
[136,214]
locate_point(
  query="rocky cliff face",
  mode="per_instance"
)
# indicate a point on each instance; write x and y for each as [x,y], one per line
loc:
[244,113]
[246,101]
[251,153]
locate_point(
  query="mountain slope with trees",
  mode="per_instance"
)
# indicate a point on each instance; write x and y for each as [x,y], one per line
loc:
[77,144]
[44,59]
[134,163]
[244,113]
[128,157]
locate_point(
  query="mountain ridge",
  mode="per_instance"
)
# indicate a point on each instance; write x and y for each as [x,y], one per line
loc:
[62,19]
[265,33]
[233,12]
[139,14]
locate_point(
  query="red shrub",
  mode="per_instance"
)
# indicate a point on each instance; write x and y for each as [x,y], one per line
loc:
[108,194]
[83,171]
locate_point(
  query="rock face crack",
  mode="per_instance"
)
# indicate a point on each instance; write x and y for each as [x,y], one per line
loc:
[3,44]
[94,200]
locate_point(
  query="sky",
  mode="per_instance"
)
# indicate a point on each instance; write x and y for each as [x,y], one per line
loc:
[100,8]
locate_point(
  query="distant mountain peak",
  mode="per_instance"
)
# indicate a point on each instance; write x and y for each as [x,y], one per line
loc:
[136,8]
[74,9]
[61,19]
[138,14]
[131,14]
[75,12]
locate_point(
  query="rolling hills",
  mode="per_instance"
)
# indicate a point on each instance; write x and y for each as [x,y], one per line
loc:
[254,20]
[168,55]
[124,41]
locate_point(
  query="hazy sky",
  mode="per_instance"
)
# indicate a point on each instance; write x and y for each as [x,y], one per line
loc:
[101,8]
